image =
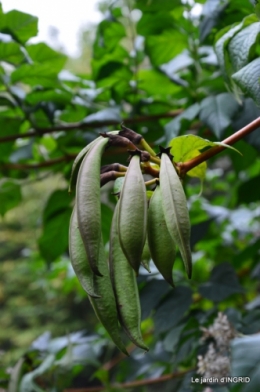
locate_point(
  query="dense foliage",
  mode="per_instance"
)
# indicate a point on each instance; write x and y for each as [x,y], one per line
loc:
[165,68]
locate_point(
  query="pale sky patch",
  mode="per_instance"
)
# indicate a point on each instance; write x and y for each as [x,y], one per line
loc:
[60,21]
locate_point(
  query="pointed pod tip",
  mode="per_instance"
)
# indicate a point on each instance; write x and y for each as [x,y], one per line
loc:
[94,295]
[96,272]
[166,151]
[132,153]
[124,351]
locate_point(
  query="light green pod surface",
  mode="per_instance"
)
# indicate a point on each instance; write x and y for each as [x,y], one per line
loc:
[146,256]
[125,287]
[78,160]
[118,184]
[105,306]
[78,257]
[132,215]
[88,202]
[160,242]
[175,210]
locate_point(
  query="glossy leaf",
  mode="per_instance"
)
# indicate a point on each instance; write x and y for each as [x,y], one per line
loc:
[19,25]
[162,48]
[245,362]
[248,80]
[171,311]
[223,283]
[11,53]
[241,46]
[217,112]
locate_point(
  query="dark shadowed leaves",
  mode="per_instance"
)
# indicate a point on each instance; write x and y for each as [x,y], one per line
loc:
[249,191]
[172,309]
[223,282]
[217,112]
[245,362]
[151,295]
[54,240]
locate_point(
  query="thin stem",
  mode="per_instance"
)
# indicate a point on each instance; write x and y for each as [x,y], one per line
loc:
[151,182]
[137,383]
[148,169]
[145,146]
[38,132]
[155,160]
[186,166]
[31,166]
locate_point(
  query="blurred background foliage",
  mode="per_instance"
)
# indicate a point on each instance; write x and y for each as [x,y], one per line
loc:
[166,68]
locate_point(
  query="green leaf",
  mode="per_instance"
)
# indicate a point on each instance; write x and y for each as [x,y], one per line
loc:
[164,47]
[184,148]
[57,202]
[242,46]
[228,146]
[54,240]
[19,25]
[108,36]
[41,53]
[248,113]
[118,55]
[10,122]
[257,8]
[118,83]
[223,282]
[10,196]
[222,43]
[249,191]
[58,96]
[173,127]
[151,294]
[155,5]
[248,80]
[155,83]
[171,311]
[211,13]
[11,53]
[217,112]
[73,113]
[245,362]
[146,25]
[37,74]
[249,156]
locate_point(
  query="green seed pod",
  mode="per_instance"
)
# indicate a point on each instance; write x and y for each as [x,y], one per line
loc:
[118,184]
[175,210]
[105,306]
[146,256]
[88,202]
[78,257]
[160,242]
[125,287]
[78,160]
[132,216]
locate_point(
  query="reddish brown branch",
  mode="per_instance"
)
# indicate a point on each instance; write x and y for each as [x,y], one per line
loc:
[137,383]
[186,166]
[72,127]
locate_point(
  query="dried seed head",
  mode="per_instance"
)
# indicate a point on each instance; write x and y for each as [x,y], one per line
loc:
[108,168]
[165,151]
[130,134]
